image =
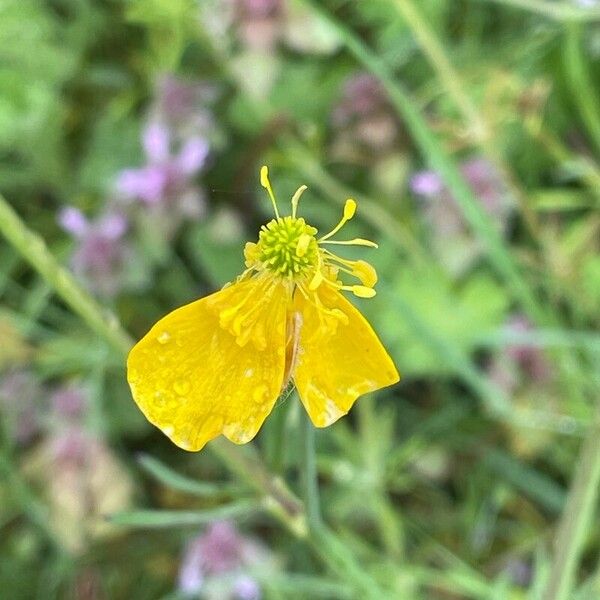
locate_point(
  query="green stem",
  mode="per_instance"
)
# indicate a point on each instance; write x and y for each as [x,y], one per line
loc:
[438,58]
[575,524]
[310,475]
[477,126]
[34,249]
[584,93]
[560,11]
[499,256]
[279,500]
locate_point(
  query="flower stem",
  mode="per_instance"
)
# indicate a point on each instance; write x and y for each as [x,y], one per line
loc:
[34,249]
[574,526]
[310,475]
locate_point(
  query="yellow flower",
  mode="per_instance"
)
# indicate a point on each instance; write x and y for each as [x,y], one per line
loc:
[217,365]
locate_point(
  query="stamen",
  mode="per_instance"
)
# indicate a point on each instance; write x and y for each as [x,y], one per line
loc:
[316,281]
[365,272]
[296,199]
[349,210]
[354,242]
[264,181]
[362,291]
[303,243]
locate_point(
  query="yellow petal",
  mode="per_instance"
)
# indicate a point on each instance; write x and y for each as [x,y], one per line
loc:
[338,359]
[194,381]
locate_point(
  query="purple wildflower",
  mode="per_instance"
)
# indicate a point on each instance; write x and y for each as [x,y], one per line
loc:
[246,588]
[427,184]
[182,107]
[101,254]
[519,363]
[21,403]
[452,241]
[259,23]
[481,176]
[217,560]
[68,402]
[165,183]
[364,114]
[362,95]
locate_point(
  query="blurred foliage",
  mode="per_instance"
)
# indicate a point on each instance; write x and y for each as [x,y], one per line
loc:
[446,486]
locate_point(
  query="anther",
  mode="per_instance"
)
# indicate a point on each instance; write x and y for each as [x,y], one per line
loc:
[349,211]
[264,181]
[362,291]
[365,272]
[303,243]
[316,281]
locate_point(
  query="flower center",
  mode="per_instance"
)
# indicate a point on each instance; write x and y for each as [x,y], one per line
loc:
[287,246]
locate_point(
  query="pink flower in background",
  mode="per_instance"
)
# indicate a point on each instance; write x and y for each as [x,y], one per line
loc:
[364,116]
[452,239]
[182,107]
[362,95]
[68,402]
[166,182]
[519,363]
[21,404]
[101,253]
[259,23]
[215,564]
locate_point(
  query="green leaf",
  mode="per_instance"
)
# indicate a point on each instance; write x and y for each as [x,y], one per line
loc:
[457,313]
[155,519]
[176,481]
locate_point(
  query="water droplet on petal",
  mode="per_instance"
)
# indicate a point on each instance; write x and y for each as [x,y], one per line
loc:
[181,387]
[164,337]
[260,392]
[159,398]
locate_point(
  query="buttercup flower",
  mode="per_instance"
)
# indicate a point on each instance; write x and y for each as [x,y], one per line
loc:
[217,365]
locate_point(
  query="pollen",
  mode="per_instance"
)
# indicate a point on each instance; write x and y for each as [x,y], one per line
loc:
[287,246]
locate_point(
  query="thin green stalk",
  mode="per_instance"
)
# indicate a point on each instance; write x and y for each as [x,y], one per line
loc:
[280,501]
[310,475]
[430,146]
[34,249]
[584,91]
[438,58]
[477,127]
[576,520]
[559,11]
[290,512]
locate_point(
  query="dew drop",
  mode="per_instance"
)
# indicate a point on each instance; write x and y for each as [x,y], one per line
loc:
[160,398]
[164,337]
[181,387]
[260,392]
